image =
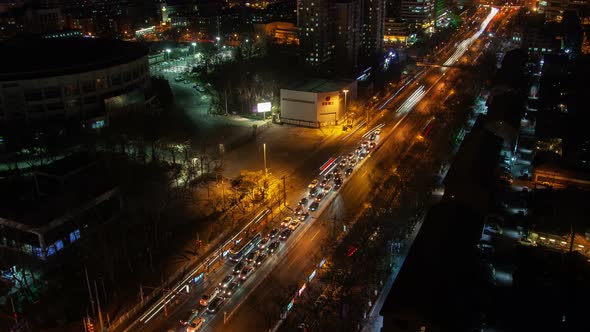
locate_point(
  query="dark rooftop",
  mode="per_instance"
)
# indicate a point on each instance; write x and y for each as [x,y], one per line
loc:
[30,58]
[20,202]
[319,85]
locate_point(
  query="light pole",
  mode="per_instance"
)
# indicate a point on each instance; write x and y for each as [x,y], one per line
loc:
[345,105]
[194,45]
[265,168]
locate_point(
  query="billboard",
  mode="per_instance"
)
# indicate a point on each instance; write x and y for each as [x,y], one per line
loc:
[263,107]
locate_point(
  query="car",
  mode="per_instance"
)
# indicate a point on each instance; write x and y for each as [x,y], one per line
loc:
[286,221]
[358,150]
[260,259]
[493,228]
[303,216]
[350,156]
[328,176]
[313,184]
[353,163]
[319,197]
[378,131]
[485,249]
[264,242]
[299,209]
[195,325]
[348,171]
[362,156]
[327,189]
[527,242]
[294,224]
[273,247]
[303,202]
[364,144]
[324,182]
[320,302]
[285,234]
[313,192]
[207,298]
[314,206]
[246,272]
[239,267]
[251,256]
[273,233]
[372,145]
[337,184]
[226,281]
[215,305]
[190,316]
[343,163]
[231,288]
[372,137]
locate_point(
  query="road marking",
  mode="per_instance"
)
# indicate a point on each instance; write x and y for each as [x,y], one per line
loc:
[316,234]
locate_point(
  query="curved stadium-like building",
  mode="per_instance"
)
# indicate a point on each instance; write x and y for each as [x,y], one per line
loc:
[80,78]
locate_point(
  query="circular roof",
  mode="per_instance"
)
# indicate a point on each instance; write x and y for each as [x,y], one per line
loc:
[45,57]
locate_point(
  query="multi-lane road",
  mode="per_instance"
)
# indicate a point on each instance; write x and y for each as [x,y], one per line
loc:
[257,302]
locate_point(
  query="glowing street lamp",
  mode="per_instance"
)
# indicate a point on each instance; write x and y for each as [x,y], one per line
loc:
[345,105]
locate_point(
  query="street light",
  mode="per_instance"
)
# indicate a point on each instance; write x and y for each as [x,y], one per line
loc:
[345,105]
[265,169]
[168,52]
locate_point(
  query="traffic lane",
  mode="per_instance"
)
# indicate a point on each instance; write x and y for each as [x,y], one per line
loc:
[260,310]
[186,302]
[253,314]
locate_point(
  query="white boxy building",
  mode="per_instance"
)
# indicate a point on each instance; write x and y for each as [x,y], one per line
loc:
[317,102]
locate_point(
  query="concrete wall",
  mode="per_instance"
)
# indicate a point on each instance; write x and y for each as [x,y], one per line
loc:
[299,106]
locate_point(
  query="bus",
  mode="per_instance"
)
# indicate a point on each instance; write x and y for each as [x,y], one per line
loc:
[243,247]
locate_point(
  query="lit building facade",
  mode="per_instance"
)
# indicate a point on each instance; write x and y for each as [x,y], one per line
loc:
[347,26]
[316,103]
[314,20]
[373,18]
[419,13]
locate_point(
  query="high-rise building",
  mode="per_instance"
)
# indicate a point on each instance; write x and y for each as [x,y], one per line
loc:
[314,20]
[373,18]
[343,33]
[347,26]
[419,13]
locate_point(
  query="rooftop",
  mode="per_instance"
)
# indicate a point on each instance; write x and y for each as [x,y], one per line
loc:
[320,85]
[31,58]
[20,202]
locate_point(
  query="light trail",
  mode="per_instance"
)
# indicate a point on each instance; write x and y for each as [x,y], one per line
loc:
[156,308]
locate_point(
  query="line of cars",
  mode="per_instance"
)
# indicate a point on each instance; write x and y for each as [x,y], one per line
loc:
[212,301]
[319,189]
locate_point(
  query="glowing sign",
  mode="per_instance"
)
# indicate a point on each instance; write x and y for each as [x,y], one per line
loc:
[263,107]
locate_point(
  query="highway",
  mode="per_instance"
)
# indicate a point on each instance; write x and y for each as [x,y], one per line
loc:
[258,301]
